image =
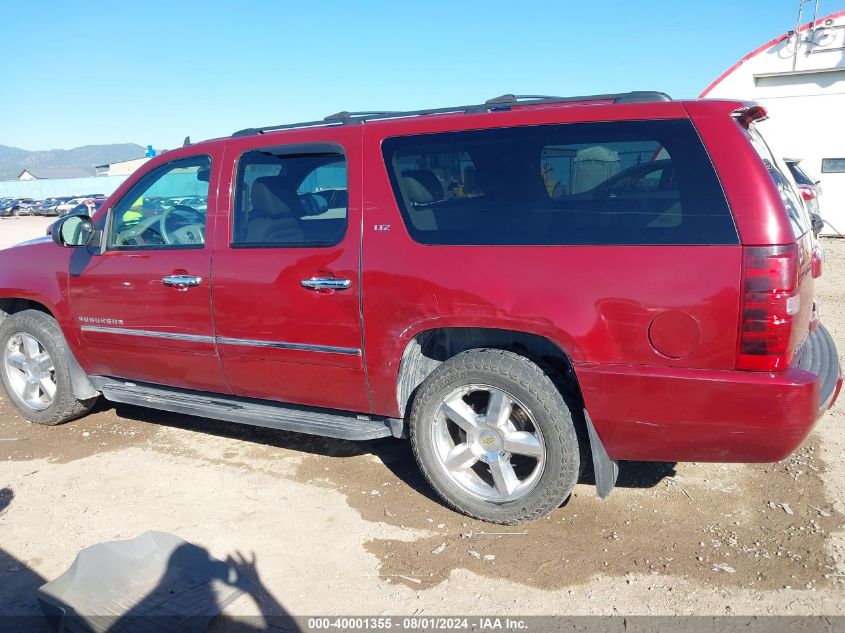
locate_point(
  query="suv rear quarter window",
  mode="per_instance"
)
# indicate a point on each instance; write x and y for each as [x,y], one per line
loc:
[782,177]
[629,182]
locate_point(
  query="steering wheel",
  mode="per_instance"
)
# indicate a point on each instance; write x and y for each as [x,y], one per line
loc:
[136,232]
[191,233]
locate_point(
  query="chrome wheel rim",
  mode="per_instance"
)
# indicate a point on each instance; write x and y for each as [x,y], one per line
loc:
[488,443]
[30,372]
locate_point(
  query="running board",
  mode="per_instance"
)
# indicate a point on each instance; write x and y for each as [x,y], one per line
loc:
[287,417]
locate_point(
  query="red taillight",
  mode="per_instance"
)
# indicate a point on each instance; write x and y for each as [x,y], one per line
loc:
[770,301]
[807,193]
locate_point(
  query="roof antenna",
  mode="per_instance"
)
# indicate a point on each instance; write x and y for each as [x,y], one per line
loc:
[186,142]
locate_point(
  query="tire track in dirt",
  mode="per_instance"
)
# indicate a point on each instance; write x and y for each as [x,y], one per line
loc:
[98,432]
[759,526]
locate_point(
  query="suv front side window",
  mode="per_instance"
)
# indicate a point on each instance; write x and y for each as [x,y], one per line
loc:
[166,209]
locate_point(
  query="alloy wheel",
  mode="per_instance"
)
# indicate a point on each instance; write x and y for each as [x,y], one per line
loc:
[30,371]
[488,443]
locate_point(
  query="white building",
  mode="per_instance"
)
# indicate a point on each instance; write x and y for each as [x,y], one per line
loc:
[799,77]
[52,173]
[121,168]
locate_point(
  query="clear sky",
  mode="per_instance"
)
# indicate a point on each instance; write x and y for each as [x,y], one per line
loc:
[151,72]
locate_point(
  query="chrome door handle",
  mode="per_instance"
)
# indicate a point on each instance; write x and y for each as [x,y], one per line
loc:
[325,283]
[181,281]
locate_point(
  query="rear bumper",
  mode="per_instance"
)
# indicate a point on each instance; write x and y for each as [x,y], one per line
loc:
[672,414]
[819,357]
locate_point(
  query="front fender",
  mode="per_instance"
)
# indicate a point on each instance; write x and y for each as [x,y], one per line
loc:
[37,271]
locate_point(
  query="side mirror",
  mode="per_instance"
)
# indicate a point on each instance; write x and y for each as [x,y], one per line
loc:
[73,231]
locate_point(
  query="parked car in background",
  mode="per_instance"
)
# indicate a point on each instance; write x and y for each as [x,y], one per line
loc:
[50,206]
[46,207]
[810,190]
[68,204]
[37,208]
[809,187]
[197,202]
[5,206]
[87,206]
[27,207]
[16,206]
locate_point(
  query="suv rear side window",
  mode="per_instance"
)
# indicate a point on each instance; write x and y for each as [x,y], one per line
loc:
[290,200]
[627,182]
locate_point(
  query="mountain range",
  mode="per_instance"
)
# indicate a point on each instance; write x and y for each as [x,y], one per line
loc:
[13,160]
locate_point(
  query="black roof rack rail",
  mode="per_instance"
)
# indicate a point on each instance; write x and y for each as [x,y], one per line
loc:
[503,102]
[345,115]
[261,130]
[640,96]
[509,98]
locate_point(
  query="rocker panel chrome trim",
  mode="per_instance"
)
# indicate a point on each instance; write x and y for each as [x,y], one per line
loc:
[198,338]
[305,347]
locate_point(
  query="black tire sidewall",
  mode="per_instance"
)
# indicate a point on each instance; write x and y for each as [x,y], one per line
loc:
[46,330]
[548,410]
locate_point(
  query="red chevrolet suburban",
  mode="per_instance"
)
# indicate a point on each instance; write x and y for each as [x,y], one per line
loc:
[519,286]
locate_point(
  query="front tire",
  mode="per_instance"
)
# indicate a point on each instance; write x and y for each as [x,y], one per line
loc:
[34,369]
[494,437]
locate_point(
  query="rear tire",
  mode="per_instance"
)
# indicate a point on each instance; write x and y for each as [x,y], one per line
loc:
[34,369]
[494,437]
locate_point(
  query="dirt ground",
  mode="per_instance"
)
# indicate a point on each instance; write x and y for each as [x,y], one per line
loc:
[343,528]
